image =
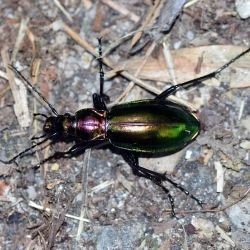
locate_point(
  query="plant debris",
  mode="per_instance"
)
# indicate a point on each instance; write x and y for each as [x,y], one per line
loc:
[94,201]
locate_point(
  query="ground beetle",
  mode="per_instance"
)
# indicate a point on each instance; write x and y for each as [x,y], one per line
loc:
[152,126]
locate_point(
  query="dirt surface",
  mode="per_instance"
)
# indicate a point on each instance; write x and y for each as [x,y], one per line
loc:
[121,210]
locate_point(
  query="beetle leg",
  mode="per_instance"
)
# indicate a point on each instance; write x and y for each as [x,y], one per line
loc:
[100,99]
[72,151]
[173,89]
[156,178]
[101,72]
[99,102]
[23,153]
[198,80]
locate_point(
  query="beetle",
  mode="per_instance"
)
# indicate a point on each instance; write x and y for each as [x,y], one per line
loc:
[152,126]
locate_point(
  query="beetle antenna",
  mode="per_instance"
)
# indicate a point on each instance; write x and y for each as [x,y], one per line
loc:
[100,65]
[33,88]
[19,155]
[40,114]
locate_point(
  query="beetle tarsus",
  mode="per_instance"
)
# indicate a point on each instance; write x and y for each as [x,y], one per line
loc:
[23,153]
[9,162]
[171,90]
[155,177]
[6,162]
[39,114]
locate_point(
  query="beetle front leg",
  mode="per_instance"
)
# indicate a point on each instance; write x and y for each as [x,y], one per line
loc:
[72,151]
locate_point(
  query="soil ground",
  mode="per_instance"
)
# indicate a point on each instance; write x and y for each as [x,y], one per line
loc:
[123,211]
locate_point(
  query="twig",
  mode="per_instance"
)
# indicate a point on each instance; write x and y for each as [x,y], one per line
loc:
[87,4]
[4,91]
[64,11]
[190,3]
[102,186]
[169,61]
[36,58]
[122,9]
[131,84]
[83,43]
[212,210]
[19,92]
[85,166]
[242,106]
[48,210]
[20,37]
[225,236]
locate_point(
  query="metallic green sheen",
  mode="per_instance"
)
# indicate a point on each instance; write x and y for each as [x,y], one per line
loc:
[151,127]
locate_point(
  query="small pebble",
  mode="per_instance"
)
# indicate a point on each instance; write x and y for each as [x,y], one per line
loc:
[243,8]
[205,228]
[245,144]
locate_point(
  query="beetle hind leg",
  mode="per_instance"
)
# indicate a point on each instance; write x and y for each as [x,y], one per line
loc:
[157,178]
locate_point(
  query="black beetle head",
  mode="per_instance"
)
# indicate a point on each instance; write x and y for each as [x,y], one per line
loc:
[61,124]
[52,125]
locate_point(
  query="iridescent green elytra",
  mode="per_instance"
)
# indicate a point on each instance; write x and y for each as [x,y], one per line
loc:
[151,127]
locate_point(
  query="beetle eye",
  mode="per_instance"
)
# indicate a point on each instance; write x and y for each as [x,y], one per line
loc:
[47,126]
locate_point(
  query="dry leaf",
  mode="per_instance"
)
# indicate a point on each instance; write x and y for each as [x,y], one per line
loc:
[185,62]
[19,92]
